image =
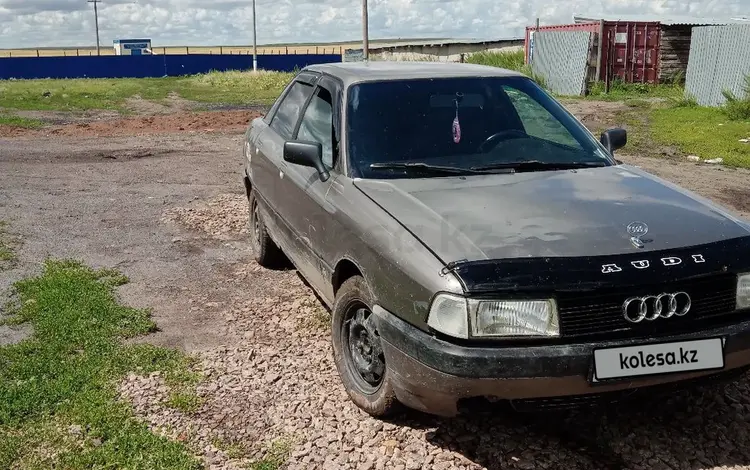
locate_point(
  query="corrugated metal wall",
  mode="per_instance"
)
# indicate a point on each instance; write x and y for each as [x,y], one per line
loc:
[561,57]
[719,60]
[530,30]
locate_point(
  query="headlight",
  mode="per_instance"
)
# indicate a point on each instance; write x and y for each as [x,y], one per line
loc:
[514,318]
[743,291]
[452,315]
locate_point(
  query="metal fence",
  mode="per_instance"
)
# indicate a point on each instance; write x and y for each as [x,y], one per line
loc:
[561,58]
[719,60]
[170,65]
[177,50]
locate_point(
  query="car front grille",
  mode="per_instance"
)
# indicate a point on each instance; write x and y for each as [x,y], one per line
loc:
[599,315]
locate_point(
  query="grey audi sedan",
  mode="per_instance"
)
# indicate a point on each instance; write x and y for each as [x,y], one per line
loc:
[476,243]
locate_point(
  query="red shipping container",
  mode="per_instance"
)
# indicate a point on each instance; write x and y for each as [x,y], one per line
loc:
[628,49]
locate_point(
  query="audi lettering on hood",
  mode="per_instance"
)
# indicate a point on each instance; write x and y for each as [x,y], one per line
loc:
[645,263]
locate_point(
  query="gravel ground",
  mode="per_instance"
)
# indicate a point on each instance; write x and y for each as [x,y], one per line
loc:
[279,382]
[169,211]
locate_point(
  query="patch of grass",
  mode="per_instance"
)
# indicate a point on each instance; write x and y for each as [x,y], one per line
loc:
[177,370]
[275,456]
[82,94]
[235,87]
[679,127]
[638,103]
[511,60]
[706,132]
[738,108]
[234,450]
[18,121]
[187,402]
[684,101]
[621,91]
[318,320]
[639,133]
[58,394]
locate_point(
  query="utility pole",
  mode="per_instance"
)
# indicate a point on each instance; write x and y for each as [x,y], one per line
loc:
[255,43]
[365,38]
[96,21]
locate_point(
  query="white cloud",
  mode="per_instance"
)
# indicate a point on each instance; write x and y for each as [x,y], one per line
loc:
[30,23]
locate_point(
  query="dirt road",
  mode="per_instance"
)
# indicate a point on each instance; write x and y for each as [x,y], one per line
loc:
[167,208]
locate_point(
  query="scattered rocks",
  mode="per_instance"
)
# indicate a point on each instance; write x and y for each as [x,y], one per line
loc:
[275,391]
[223,217]
[714,161]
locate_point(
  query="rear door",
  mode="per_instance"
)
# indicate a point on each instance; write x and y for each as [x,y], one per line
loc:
[268,165]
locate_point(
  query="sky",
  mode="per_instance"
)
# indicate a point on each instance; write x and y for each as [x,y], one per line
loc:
[49,23]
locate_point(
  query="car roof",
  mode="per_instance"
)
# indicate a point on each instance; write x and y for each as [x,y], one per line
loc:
[352,72]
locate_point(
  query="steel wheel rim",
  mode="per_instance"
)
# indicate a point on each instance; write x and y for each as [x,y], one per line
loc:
[363,349]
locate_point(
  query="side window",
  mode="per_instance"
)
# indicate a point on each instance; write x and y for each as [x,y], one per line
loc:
[317,124]
[537,121]
[289,109]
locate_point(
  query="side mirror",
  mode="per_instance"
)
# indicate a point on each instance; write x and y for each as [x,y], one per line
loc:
[306,154]
[614,139]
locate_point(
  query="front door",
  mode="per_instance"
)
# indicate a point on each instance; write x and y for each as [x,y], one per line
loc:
[304,194]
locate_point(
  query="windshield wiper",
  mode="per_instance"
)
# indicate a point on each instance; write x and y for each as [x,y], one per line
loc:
[535,165]
[434,169]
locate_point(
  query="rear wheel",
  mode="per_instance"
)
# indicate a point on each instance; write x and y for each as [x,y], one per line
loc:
[358,351]
[266,252]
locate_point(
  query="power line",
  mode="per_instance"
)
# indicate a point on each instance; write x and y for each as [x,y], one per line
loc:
[96,21]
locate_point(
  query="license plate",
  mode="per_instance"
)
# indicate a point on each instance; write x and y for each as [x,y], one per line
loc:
[662,358]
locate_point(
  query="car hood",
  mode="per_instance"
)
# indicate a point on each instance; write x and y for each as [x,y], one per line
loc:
[567,213]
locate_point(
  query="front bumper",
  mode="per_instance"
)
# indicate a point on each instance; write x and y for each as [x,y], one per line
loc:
[433,375]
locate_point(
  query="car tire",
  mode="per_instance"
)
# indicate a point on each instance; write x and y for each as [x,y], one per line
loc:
[355,341]
[265,250]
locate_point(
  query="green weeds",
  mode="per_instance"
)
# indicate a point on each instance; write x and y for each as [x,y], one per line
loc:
[234,87]
[58,389]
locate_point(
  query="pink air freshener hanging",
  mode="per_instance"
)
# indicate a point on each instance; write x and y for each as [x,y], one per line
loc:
[456,127]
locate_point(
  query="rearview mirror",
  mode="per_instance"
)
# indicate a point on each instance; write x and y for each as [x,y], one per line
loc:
[614,139]
[306,154]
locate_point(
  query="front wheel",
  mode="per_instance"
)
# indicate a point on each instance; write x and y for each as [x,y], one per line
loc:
[358,351]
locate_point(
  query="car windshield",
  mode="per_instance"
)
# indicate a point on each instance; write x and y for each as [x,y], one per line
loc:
[450,126]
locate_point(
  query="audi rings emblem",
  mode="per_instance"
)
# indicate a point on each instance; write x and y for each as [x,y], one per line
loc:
[651,307]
